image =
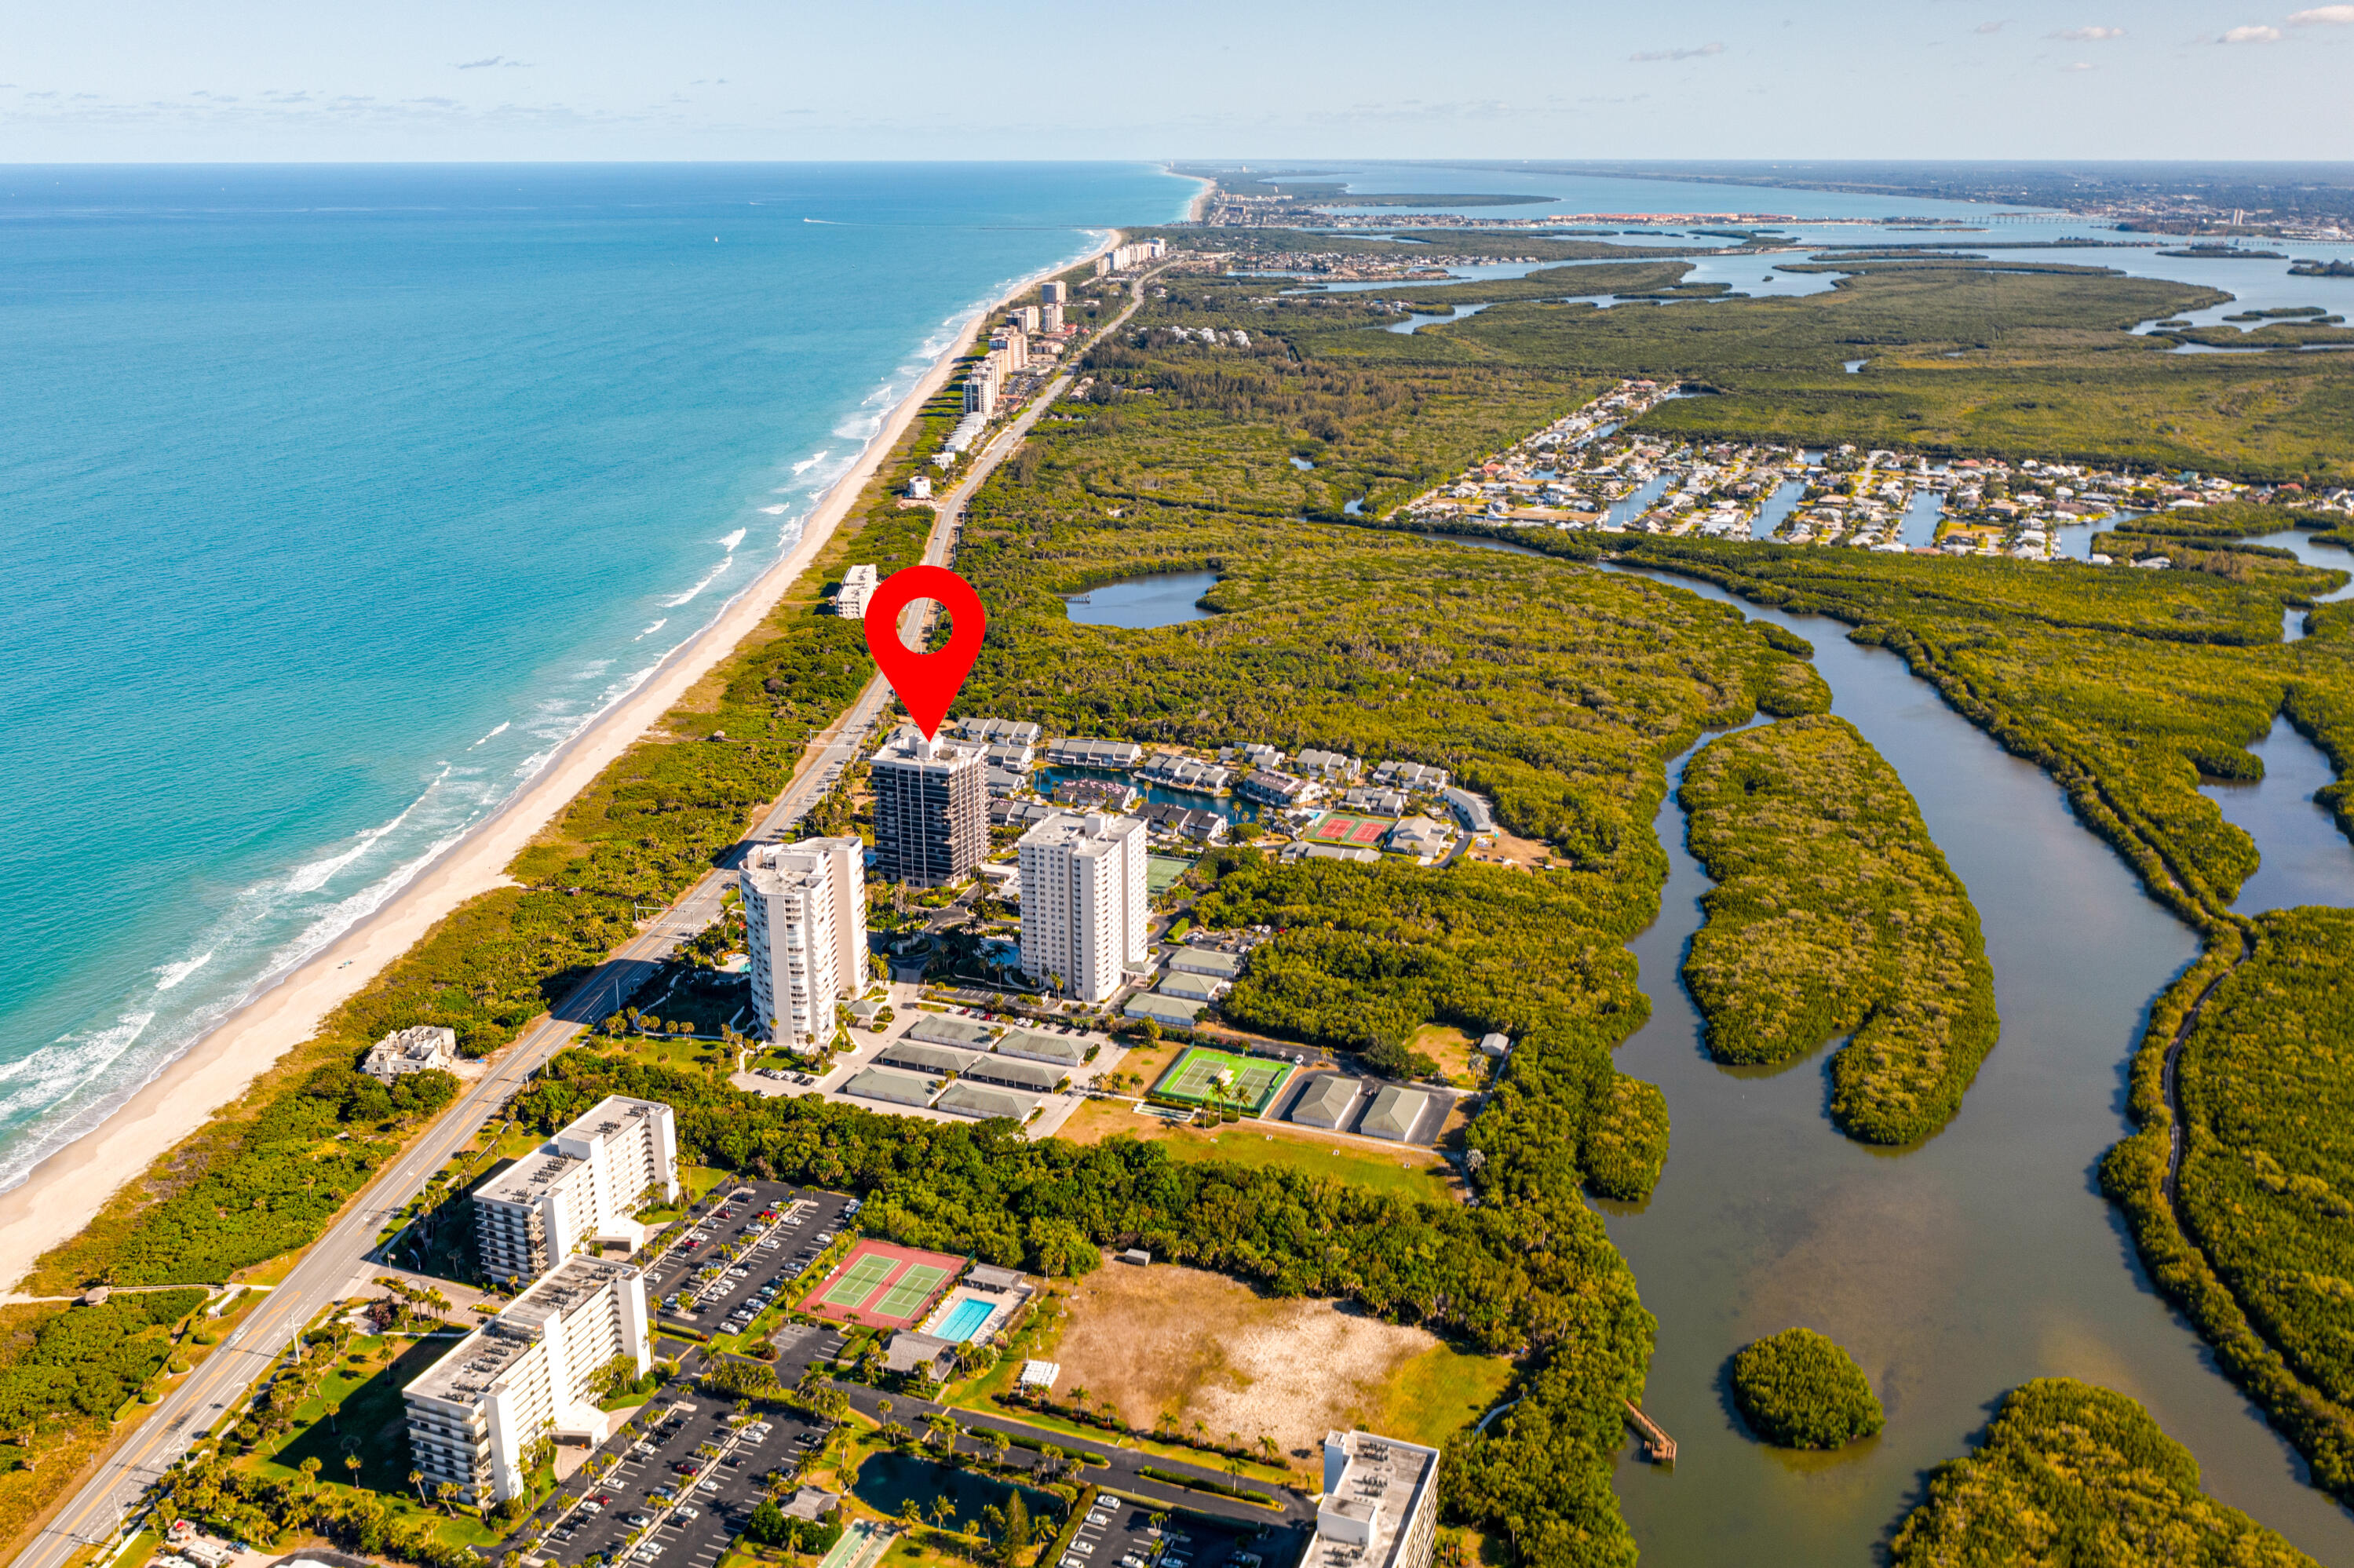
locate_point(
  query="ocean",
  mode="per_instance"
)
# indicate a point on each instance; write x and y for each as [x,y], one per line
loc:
[333,500]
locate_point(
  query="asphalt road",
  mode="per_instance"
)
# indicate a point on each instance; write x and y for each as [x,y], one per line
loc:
[114,1489]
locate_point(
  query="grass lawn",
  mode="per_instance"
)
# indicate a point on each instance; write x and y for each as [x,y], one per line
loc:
[1162,873]
[1415,1173]
[371,1422]
[1440,1392]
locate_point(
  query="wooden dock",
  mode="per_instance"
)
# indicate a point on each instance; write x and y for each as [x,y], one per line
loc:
[1658,1447]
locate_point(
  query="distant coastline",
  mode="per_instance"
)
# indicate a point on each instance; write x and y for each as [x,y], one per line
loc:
[69,1186]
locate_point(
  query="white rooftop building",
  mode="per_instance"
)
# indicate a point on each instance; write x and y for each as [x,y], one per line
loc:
[423,1048]
[582,1185]
[527,1377]
[857,588]
[1083,901]
[805,933]
[1380,1505]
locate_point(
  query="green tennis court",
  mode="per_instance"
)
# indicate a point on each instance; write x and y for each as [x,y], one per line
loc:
[858,1281]
[1251,1082]
[910,1291]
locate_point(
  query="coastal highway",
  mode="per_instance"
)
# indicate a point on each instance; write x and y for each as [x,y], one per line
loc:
[328,1268]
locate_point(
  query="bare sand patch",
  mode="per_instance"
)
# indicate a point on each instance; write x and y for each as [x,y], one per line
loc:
[1212,1349]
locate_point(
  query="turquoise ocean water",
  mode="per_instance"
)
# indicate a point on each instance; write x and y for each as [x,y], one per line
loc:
[333,500]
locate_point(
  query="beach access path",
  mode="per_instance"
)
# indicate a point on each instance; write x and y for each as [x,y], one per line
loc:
[112,1492]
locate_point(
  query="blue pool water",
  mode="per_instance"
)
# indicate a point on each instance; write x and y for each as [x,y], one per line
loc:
[332,500]
[964,1319]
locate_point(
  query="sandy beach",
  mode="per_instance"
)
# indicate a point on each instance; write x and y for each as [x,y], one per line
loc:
[65,1190]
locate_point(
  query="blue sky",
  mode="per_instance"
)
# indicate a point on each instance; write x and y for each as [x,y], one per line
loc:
[274,80]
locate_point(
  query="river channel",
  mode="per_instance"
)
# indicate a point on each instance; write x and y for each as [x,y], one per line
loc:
[1954,1270]
[1957,1269]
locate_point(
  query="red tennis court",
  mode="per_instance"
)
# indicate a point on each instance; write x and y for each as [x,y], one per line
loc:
[883,1284]
[1346,828]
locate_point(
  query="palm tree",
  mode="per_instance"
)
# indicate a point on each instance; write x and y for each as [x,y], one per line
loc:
[333,1410]
[352,1463]
[416,1479]
[309,1468]
[910,1514]
[446,1494]
[943,1513]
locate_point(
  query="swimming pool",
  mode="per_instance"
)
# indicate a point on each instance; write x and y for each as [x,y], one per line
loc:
[964,1319]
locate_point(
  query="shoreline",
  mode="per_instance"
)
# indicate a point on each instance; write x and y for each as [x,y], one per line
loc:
[62,1194]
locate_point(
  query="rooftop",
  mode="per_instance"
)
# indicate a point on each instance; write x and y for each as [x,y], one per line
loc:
[606,1117]
[1371,1488]
[528,1180]
[565,1286]
[471,1369]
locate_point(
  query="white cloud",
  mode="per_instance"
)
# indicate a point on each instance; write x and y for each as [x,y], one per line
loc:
[2250,36]
[2079,65]
[2323,16]
[1990,27]
[491,60]
[2089,35]
[1646,55]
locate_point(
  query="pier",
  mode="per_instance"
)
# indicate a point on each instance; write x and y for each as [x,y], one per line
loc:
[1658,1447]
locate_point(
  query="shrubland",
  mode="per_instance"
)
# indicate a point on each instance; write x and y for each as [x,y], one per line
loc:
[2072,1473]
[1797,1390]
[1834,913]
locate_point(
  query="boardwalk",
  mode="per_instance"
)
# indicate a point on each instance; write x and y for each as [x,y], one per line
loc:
[1658,1447]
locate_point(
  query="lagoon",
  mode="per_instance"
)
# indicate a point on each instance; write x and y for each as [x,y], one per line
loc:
[1954,1270]
[1162,599]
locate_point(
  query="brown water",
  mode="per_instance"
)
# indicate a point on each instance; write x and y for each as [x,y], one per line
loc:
[1952,1271]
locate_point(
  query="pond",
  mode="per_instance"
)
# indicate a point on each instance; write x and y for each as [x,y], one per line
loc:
[886,1482]
[1164,599]
[1955,1270]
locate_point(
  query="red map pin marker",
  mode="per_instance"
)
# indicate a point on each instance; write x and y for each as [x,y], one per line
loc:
[927,683]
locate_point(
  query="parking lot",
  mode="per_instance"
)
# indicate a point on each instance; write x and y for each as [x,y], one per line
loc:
[686,1481]
[1118,1533]
[776,1231]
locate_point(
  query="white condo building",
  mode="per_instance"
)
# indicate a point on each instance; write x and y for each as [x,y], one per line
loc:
[858,586]
[1380,1507]
[1083,901]
[805,931]
[583,1185]
[525,1377]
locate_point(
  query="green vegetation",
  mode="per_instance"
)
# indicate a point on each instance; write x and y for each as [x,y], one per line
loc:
[87,1360]
[1530,1272]
[2069,1473]
[1799,1390]
[1834,913]
[2268,1166]
[2127,687]
[1986,358]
